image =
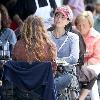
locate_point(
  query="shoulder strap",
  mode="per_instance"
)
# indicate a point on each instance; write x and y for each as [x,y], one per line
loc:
[63,43]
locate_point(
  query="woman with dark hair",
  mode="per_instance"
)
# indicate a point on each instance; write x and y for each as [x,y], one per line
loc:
[69,51]
[7,35]
[67,43]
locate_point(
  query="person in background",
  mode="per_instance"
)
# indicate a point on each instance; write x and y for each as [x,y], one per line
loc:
[47,7]
[84,23]
[77,7]
[97,3]
[89,2]
[20,10]
[90,7]
[59,3]
[96,14]
[65,2]
[7,41]
[97,17]
[97,23]
[7,35]
[6,21]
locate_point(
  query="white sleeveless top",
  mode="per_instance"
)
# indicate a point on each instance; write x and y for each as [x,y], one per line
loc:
[43,12]
[59,3]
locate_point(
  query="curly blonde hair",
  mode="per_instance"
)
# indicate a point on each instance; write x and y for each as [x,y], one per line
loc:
[35,36]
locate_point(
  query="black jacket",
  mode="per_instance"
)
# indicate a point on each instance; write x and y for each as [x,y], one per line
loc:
[29,77]
[24,8]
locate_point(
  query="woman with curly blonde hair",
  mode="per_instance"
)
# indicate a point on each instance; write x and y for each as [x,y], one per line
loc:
[35,44]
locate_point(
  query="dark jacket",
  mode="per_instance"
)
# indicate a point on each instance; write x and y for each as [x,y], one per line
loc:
[24,8]
[31,76]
